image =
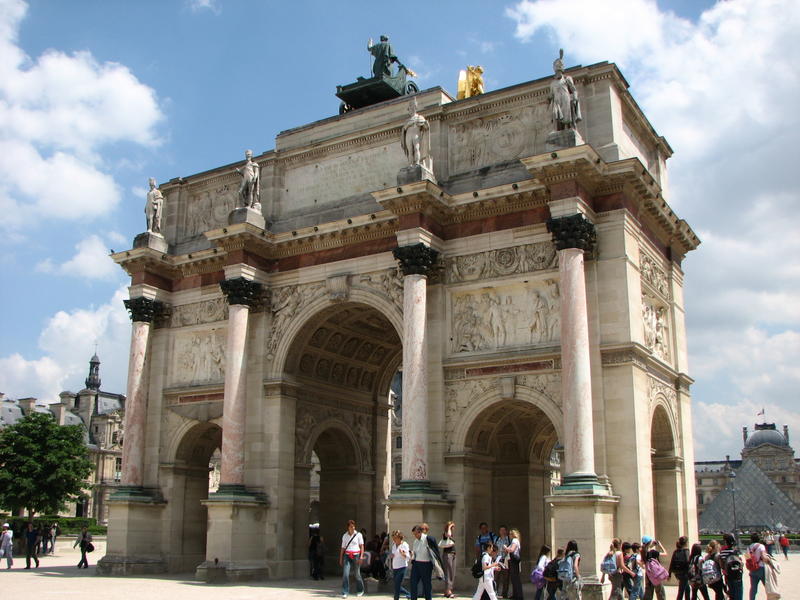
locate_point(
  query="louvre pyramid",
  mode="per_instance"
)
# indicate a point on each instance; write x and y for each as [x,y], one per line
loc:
[760,504]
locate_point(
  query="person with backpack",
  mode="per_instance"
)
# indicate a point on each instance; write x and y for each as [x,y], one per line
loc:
[756,563]
[484,537]
[655,573]
[614,567]
[730,563]
[712,575]
[679,566]
[696,572]
[489,565]
[537,575]
[85,542]
[783,542]
[552,582]
[569,572]
[632,577]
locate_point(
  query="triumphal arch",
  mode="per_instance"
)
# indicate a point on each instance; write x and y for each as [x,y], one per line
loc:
[513,253]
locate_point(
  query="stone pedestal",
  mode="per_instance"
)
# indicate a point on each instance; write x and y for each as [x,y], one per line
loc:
[588,519]
[407,509]
[134,528]
[148,239]
[414,173]
[243,214]
[566,138]
[235,547]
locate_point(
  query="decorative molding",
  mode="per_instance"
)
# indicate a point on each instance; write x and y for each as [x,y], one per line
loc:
[528,258]
[197,313]
[387,283]
[656,387]
[624,356]
[573,231]
[416,259]
[145,310]
[240,290]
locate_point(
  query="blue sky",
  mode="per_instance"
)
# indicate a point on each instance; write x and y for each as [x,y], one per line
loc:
[95,97]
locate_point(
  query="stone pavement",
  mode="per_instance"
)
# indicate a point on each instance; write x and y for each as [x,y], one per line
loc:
[59,576]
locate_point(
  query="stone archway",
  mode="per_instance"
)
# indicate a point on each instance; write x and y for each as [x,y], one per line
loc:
[666,470]
[342,361]
[190,487]
[508,472]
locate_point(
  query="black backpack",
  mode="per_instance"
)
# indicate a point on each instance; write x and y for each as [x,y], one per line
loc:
[477,568]
[680,562]
[733,567]
[551,571]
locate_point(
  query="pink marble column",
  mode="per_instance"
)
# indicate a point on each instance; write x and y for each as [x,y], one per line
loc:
[241,294]
[573,235]
[415,262]
[143,311]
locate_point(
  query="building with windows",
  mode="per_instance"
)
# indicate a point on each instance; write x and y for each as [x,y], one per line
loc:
[101,415]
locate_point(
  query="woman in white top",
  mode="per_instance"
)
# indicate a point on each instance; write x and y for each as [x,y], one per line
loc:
[6,545]
[490,565]
[448,547]
[400,554]
[350,555]
[514,554]
[544,559]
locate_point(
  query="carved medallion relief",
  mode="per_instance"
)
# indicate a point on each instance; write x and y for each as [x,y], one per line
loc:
[199,357]
[505,316]
[500,263]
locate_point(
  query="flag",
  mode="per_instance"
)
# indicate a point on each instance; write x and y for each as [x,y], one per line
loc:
[761,414]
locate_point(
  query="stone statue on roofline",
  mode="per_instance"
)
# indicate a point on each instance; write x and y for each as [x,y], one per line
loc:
[415,138]
[384,57]
[249,190]
[566,109]
[153,208]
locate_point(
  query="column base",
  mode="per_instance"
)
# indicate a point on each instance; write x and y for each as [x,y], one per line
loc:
[237,492]
[582,483]
[134,533]
[415,502]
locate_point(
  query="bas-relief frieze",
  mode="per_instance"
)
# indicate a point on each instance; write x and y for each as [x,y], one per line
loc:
[199,357]
[498,138]
[655,319]
[342,176]
[505,316]
[208,209]
[310,415]
[527,258]
[196,313]
[653,275]
[657,387]
[461,394]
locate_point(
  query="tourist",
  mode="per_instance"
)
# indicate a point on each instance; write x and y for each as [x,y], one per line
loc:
[490,564]
[569,572]
[7,545]
[501,577]
[350,554]
[424,553]
[316,554]
[537,576]
[32,539]
[783,541]
[760,558]
[553,583]
[730,564]
[400,554]
[46,538]
[484,537]
[447,545]
[633,573]
[613,566]
[653,550]
[85,542]
[513,560]
[55,531]
[679,567]
[696,572]
[769,542]
[712,574]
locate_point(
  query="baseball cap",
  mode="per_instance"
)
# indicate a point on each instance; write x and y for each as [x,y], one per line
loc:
[646,539]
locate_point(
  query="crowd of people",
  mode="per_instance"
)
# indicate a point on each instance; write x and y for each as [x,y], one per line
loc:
[39,541]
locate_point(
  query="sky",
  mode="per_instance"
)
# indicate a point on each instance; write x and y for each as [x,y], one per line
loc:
[97,96]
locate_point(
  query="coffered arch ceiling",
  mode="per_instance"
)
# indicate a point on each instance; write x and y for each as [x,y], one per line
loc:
[350,345]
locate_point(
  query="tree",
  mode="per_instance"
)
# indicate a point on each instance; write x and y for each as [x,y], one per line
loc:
[43,465]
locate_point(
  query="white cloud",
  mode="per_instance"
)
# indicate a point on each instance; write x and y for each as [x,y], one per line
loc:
[67,343]
[205,5]
[57,114]
[723,90]
[90,261]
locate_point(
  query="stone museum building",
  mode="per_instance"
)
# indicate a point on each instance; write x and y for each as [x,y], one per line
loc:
[512,252]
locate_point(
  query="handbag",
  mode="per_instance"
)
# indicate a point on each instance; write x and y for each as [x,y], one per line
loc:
[89,547]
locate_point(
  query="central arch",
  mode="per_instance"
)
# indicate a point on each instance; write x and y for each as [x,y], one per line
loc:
[342,361]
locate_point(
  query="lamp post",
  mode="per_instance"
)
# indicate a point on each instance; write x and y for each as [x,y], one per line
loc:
[733,492]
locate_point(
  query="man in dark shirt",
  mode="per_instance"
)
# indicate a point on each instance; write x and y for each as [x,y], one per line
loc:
[729,570]
[31,542]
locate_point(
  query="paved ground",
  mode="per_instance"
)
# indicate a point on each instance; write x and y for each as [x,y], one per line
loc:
[58,576]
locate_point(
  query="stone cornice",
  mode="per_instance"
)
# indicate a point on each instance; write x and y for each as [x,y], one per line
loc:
[139,260]
[584,166]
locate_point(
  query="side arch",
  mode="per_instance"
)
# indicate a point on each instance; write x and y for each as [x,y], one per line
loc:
[352,453]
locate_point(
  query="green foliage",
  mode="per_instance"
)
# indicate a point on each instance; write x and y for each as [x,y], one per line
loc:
[43,465]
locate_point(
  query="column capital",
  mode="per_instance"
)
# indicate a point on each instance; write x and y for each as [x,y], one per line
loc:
[574,231]
[143,309]
[416,259]
[240,290]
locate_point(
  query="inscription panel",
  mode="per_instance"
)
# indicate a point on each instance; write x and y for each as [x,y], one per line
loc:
[343,176]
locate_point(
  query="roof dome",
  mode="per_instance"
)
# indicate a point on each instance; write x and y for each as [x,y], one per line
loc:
[766,434]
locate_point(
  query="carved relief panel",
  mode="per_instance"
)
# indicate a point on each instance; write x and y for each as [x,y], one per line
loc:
[207,208]
[505,316]
[207,311]
[527,258]
[199,357]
